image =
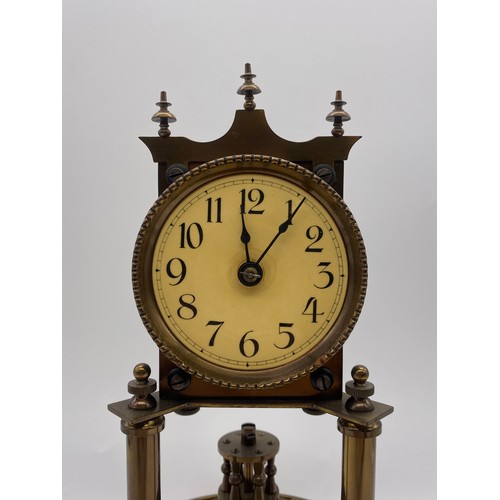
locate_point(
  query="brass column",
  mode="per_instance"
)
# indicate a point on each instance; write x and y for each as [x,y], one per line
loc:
[142,420]
[358,460]
[358,441]
[143,440]
[143,458]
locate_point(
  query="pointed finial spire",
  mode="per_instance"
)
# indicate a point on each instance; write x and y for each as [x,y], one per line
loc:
[338,115]
[163,116]
[248,89]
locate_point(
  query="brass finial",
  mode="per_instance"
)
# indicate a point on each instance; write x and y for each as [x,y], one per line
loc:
[360,390]
[142,388]
[338,115]
[163,116]
[249,88]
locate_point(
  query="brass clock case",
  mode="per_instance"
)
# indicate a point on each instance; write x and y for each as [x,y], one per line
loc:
[165,335]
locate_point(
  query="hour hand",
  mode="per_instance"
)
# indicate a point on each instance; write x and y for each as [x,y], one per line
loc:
[245,235]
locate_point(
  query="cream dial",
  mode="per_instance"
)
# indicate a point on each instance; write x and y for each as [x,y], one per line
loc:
[248,272]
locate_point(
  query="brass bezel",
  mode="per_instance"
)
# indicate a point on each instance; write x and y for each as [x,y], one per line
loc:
[159,330]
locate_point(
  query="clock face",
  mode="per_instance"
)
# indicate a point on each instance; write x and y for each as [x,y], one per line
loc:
[249,273]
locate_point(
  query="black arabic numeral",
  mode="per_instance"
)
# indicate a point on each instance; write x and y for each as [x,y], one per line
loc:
[311,309]
[255,196]
[291,336]
[218,324]
[176,269]
[328,273]
[187,309]
[217,205]
[192,237]
[244,342]
[314,233]
[290,211]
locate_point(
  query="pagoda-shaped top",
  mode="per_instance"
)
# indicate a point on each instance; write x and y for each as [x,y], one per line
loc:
[250,134]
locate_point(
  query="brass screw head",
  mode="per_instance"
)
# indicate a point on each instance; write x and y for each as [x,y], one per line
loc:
[178,380]
[322,379]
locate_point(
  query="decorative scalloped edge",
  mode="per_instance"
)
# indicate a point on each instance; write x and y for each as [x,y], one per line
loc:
[244,159]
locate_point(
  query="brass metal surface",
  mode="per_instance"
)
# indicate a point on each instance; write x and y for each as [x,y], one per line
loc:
[163,116]
[142,387]
[358,460]
[334,407]
[263,447]
[359,417]
[249,88]
[338,115]
[359,441]
[250,133]
[299,388]
[282,496]
[360,390]
[143,457]
[245,473]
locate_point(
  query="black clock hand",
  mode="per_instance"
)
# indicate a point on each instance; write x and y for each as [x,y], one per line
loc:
[245,235]
[282,228]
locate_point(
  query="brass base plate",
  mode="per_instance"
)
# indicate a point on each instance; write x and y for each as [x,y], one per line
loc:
[282,497]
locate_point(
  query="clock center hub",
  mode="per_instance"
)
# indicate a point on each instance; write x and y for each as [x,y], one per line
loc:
[250,274]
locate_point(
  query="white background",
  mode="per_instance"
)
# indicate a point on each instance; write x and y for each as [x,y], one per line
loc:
[117,57]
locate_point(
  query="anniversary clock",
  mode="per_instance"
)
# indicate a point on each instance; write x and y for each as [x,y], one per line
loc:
[249,273]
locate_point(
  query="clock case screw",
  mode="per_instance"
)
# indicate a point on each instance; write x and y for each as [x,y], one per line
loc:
[326,173]
[178,380]
[322,379]
[174,171]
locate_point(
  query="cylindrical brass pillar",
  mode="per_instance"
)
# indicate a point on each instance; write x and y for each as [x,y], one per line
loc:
[143,458]
[358,460]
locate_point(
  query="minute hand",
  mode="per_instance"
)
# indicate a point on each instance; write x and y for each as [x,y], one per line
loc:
[282,228]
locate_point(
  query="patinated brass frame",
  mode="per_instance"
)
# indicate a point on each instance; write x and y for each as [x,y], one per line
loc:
[249,133]
[167,204]
[359,429]
[358,416]
[335,407]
